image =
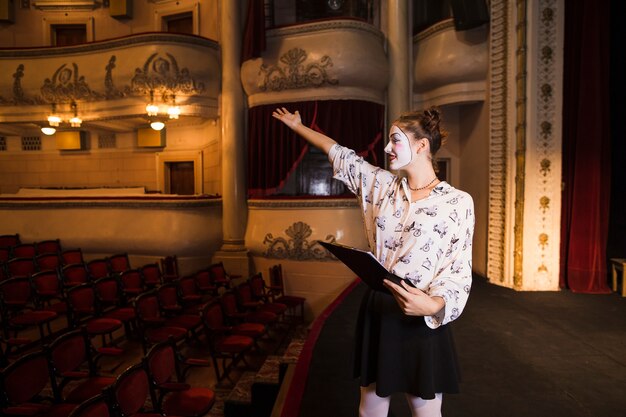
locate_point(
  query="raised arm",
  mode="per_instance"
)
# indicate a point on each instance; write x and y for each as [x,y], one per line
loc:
[294,122]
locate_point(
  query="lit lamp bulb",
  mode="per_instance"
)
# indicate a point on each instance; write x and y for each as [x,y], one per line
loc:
[54,120]
[46,130]
[157,125]
[173,112]
[152,109]
[75,121]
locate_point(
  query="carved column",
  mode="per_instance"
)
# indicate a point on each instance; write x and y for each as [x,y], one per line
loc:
[235,212]
[398,96]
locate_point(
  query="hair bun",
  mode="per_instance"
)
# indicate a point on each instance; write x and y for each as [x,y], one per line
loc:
[433,117]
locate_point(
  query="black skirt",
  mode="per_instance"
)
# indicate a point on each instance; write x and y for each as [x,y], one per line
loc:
[401,353]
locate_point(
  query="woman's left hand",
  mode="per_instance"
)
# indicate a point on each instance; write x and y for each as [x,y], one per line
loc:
[413,301]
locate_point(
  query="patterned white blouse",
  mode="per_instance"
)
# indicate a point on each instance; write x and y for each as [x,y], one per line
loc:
[428,241]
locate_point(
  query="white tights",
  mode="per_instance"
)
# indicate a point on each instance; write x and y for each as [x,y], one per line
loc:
[374,406]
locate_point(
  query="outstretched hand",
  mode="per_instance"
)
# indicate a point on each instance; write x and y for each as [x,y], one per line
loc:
[413,301]
[292,120]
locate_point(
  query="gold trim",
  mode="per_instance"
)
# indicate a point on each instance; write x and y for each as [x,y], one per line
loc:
[434,29]
[498,140]
[520,142]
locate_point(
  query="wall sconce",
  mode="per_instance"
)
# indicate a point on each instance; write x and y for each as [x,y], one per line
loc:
[152,109]
[157,125]
[173,111]
[75,121]
[47,130]
[53,118]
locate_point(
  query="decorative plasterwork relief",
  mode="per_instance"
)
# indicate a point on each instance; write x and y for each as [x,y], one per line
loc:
[67,84]
[295,73]
[297,246]
[544,165]
[162,75]
[498,113]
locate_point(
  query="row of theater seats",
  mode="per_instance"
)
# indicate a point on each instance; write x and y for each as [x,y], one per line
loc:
[152,303]
[68,369]
[233,321]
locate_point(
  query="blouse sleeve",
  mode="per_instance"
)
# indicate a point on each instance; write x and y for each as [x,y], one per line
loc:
[454,279]
[355,172]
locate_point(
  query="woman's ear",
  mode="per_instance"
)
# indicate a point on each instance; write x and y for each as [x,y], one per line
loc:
[422,144]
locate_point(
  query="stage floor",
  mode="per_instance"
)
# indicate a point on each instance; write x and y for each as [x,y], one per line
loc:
[521,353]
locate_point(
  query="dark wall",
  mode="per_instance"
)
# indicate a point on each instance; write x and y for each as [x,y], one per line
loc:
[616,246]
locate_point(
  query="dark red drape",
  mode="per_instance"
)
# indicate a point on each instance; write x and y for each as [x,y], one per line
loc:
[586,147]
[253,42]
[274,150]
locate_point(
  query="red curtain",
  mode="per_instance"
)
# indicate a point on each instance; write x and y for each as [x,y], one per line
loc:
[254,34]
[274,150]
[586,147]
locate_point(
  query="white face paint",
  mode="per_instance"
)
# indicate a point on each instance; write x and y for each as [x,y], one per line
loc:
[398,148]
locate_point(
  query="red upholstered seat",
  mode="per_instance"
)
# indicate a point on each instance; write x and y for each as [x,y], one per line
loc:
[152,276]
[96,406]
[159,334]
[152,325]
[22,382]
[18,307]
[195,401]
[72,256]
[74,274]
[31,318]
[89,388]
[98,268]
[130,392]
[48,246]
[83,310]
[223,343]
[174,396]
[9,240]
[102,325]
[119,263]
[233,343]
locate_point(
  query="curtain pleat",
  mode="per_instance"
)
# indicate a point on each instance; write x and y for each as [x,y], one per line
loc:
[275,150]
[253,43]
[586,147]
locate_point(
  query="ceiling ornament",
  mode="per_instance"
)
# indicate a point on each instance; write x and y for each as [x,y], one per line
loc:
[295,74]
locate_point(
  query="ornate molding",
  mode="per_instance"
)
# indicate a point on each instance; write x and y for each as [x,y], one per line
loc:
[295,74]
[91,47]
[54,5]
[546,145]
[434,29]
[66,84]
[105,202]
[498,143]
[163,75]
[334,24]
[304,204]
[297,247]
[158,74]
[520,142]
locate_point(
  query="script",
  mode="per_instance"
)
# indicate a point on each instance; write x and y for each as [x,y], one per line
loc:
[365,265]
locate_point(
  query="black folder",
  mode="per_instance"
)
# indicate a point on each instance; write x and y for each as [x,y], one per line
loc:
[365,265]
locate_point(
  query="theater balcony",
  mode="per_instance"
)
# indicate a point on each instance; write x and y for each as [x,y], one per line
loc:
[336,59]
[108,84]
[450,66]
